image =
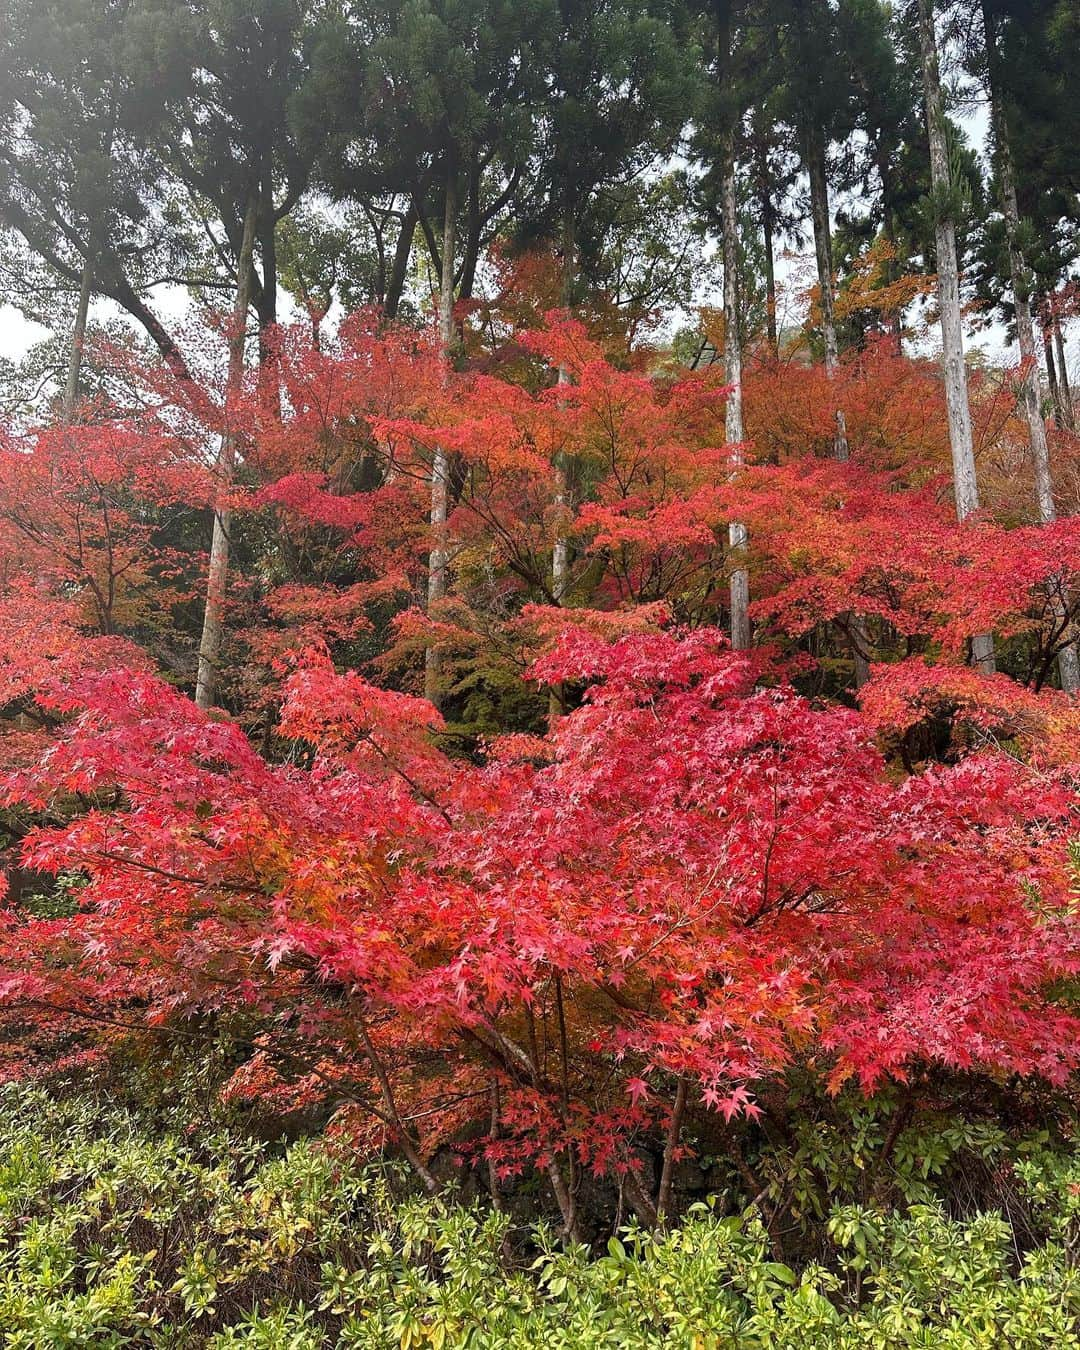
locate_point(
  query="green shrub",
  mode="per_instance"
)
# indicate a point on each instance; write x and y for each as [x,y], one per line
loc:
[110,1237]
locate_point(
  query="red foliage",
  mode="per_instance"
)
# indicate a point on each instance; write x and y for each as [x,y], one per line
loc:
[698,876]
[707,881]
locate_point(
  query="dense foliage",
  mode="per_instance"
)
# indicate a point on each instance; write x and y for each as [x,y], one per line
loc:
[579,942]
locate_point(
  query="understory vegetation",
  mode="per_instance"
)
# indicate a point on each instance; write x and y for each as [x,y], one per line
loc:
[118,1229]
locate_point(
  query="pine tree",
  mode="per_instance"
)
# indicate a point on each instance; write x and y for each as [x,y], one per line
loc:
[81,100]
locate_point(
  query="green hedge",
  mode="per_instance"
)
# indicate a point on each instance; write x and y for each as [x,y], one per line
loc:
[115,1234]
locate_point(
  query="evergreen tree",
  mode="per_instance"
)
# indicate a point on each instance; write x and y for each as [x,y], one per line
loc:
[81,99]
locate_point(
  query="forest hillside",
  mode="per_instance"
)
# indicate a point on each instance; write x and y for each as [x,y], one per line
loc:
[539,722]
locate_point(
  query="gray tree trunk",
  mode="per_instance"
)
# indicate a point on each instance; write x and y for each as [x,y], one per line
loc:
[769,242]
[439,558]
[560,553]
[1052,379]
[1063,378]
[1031,393]
[819,204]
[400,268]
[217,580]
[560,549]
[734,431]
[78,342]
[965,483]
[819,207]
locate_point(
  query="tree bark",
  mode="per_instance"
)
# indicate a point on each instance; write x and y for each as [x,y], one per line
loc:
[125,295]
[734,432]
[965,483]
[560,549]
[667,1173]
[1030,394]
[439,557]
[892,270]
[560,554]
[763,185]
[78,342]
[399,269]
[1063,378]
[770,271]
[1052,379]
[472,240]
[217,581]
[819,208]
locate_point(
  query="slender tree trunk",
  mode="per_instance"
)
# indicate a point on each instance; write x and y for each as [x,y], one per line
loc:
[965,483]
[819,207]
[1031,393]
[440,488]
[267,232]
[125,295]
[667,1173]
[1052,379]
[560,554]
[399,269]
[892,270]
[560,549]
[1063,378]
[86,282]
[217,581]
[734,431]
[471,243]
[78,342]
[266,301]
[768,232]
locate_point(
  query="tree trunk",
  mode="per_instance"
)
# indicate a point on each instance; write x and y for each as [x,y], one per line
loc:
[560,554]
[1063,378]
[819,207]
[1052,379]
[965,484]
[399,269]
[217,581]
[892,269]
[767,229]
[78,341]
[471,243]
[734,432]
[439,557]
[560,549]
[125,295]
[667,1173]
[86,282]
[266,302]
[1031,394]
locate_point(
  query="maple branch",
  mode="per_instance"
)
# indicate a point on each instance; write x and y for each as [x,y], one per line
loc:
[667,1173]
[408,1144]
[368,737]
